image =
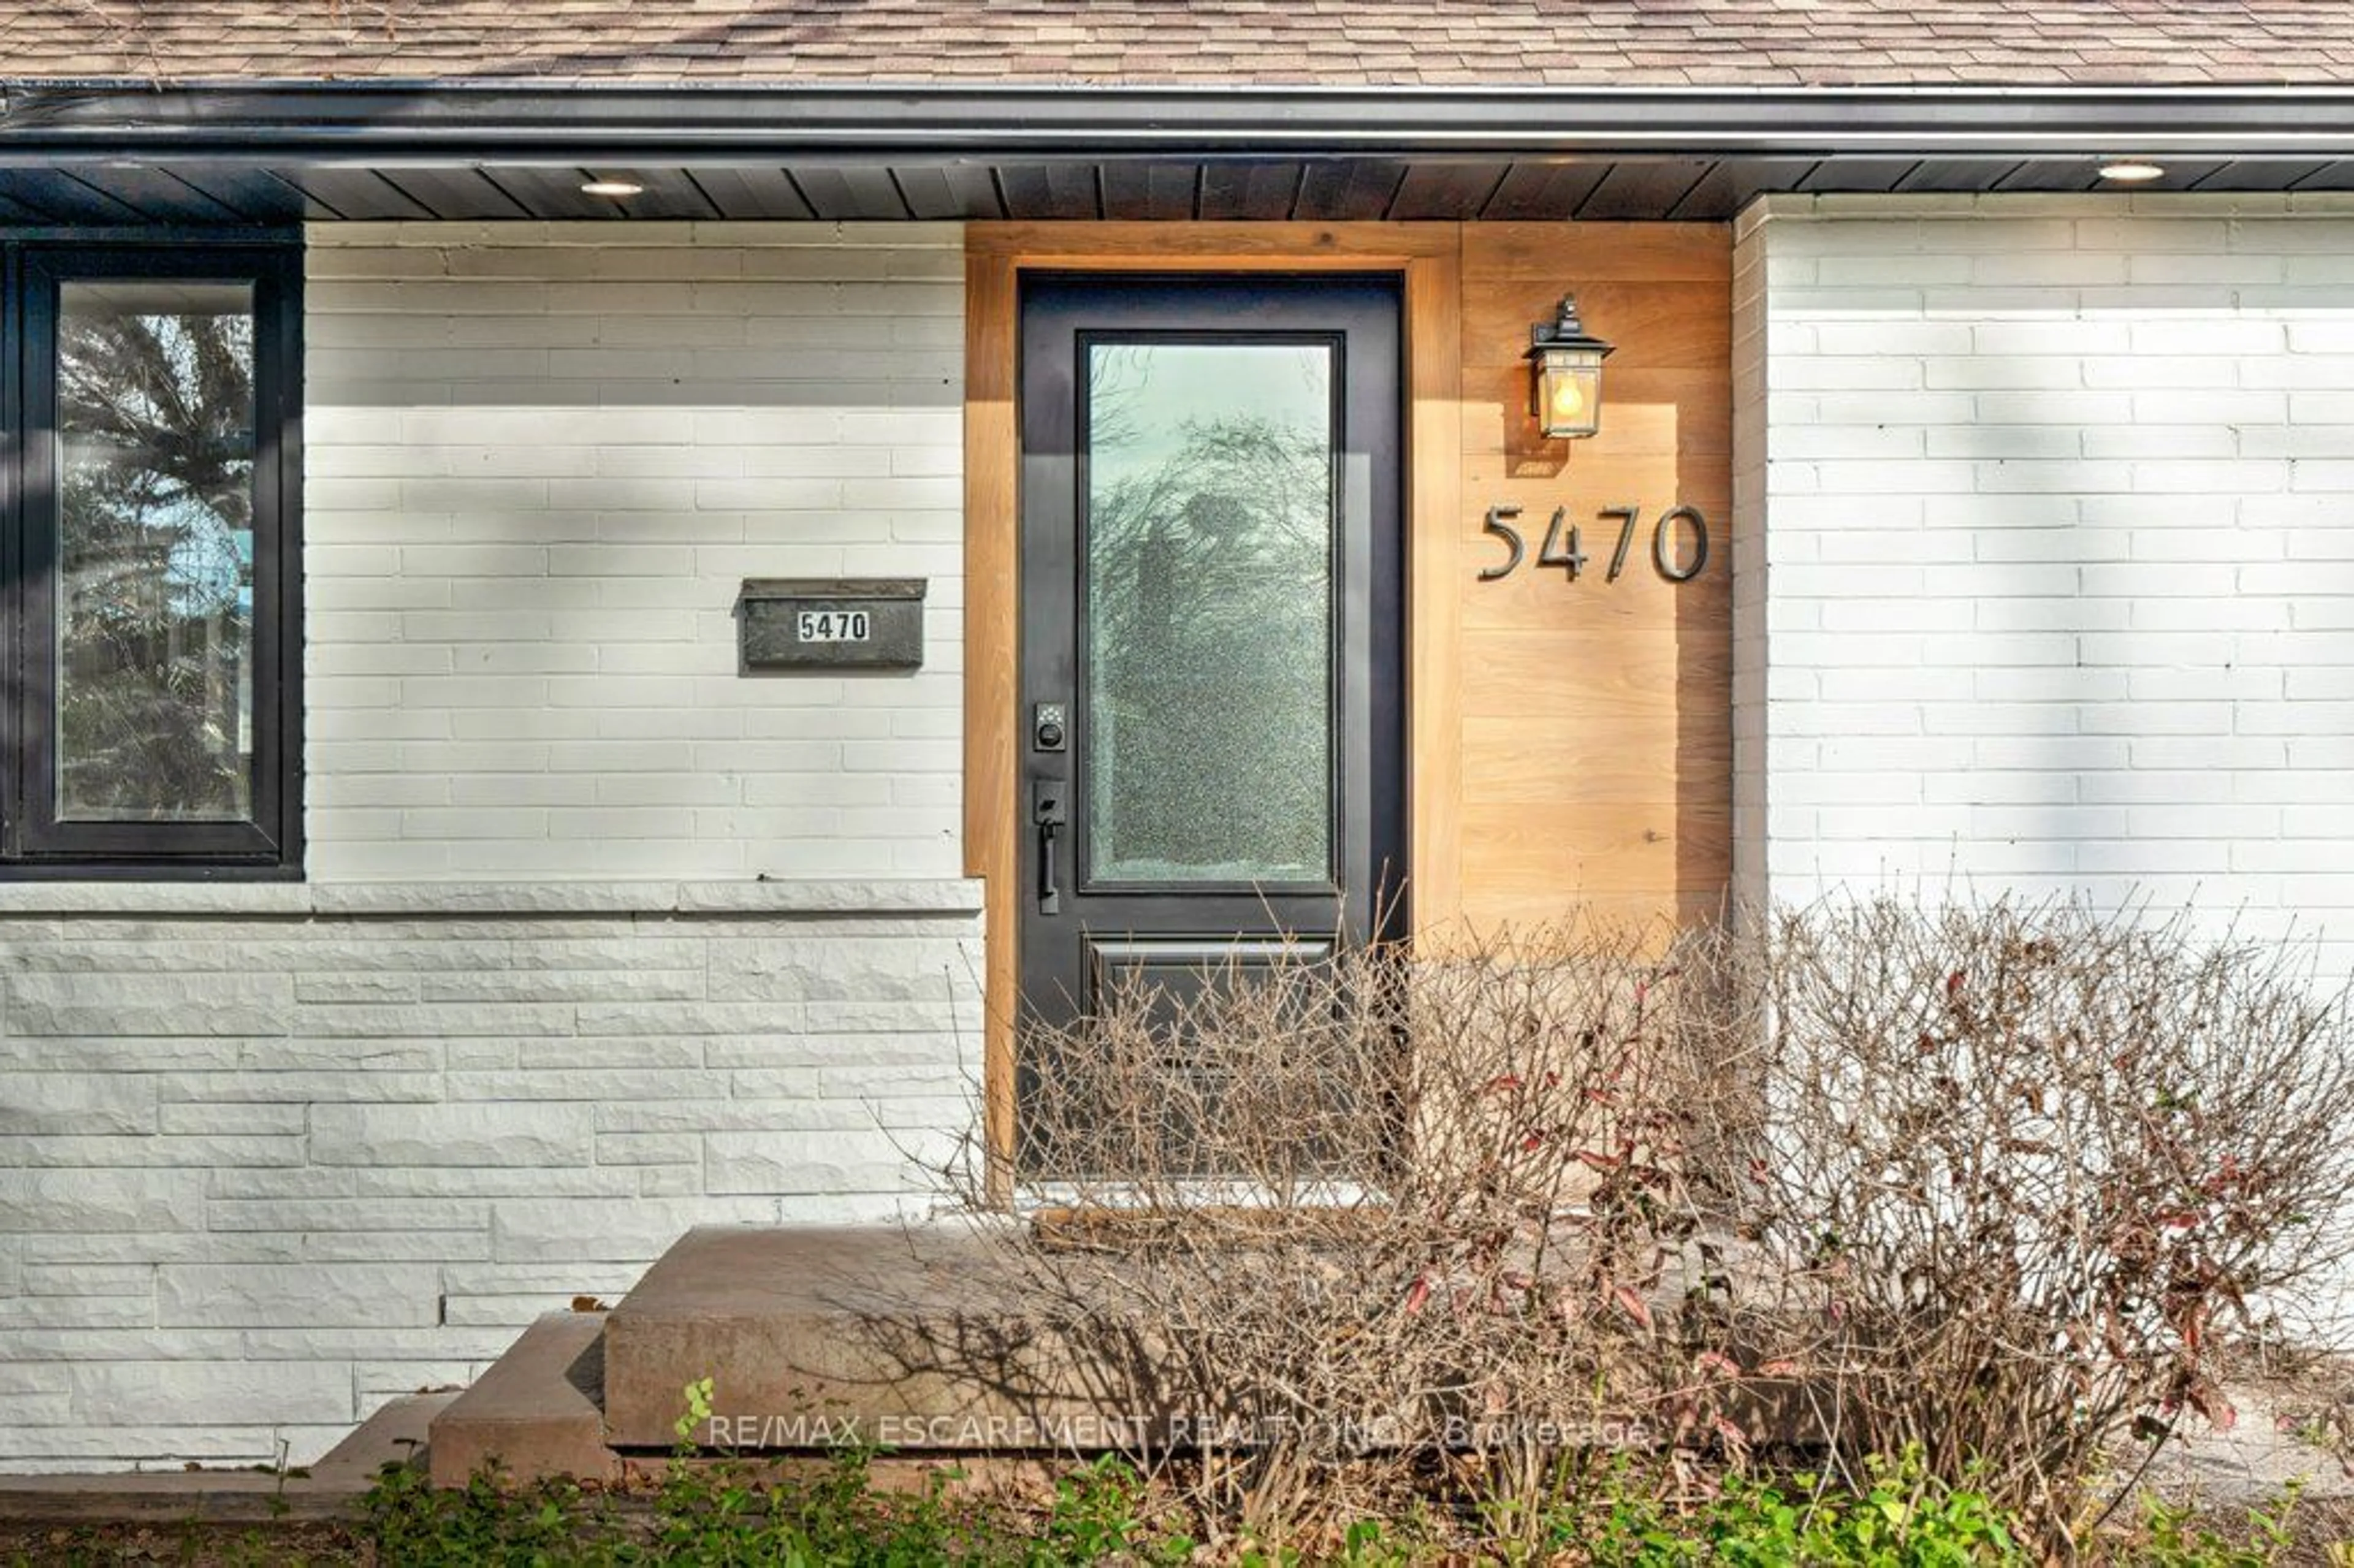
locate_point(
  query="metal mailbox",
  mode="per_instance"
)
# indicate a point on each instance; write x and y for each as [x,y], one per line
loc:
[831,623]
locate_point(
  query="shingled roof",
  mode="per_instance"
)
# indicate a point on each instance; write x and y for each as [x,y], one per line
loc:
[1439,43]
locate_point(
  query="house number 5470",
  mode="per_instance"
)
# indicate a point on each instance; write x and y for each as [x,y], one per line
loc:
[1678,542]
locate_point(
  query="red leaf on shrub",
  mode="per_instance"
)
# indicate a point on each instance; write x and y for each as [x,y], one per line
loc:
[2208,1400]
[1417,1293]
[1601,1096]
[1711,1361]
[1777,1368]
[1504,1083]
[1534,1140]
[1953,985]
[1633,1303]
[1733,1436]
[1596,1159]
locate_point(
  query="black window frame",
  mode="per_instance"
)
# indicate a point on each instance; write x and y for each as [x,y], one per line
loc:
[34,843]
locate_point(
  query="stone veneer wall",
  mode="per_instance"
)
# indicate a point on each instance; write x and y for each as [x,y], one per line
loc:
[276,1154]
[271,1156]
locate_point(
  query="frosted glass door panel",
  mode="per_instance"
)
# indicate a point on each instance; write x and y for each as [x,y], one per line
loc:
[1207,611]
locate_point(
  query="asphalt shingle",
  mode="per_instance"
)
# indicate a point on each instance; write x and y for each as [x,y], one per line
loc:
[1599,42]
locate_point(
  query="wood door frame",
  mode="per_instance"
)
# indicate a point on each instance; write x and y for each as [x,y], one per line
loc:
[1426,257]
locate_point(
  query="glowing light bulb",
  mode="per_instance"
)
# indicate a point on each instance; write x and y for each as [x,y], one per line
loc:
[1569,404]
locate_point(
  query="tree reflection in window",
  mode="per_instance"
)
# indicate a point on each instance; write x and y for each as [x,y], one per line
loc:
[1209,617]
[155,572]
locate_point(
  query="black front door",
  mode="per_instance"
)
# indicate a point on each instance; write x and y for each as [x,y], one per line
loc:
[1211,669]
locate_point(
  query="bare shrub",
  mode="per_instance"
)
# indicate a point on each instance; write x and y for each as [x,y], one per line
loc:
[1986,1182]
[2012,1171]
[1347,1217]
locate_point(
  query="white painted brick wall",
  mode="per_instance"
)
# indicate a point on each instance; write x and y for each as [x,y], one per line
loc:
[1750,578]
[2045,571]
[270,1156]
[541,459]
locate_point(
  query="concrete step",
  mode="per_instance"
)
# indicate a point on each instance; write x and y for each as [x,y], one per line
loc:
[329,1489]
[534,1414]
[396,1435]
[910,1337]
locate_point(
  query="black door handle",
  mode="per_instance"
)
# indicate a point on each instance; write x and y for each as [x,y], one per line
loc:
[1049,812]
[1050,897]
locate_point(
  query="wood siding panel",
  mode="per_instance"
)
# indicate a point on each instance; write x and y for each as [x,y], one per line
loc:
[1596,761]
[992,654]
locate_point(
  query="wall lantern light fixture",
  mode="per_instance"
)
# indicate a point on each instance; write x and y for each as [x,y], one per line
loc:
[1567,373]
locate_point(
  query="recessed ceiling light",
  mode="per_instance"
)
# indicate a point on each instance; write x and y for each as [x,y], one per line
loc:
[2132,171]
[614,188]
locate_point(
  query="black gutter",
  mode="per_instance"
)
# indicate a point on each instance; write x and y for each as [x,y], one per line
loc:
[54,124]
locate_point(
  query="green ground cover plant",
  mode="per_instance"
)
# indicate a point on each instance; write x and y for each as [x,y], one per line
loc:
[737,1516]
[1623,1514]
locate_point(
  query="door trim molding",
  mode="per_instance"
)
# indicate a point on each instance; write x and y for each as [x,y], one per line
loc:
[1428,256]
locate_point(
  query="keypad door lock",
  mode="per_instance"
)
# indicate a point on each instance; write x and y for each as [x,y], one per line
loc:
[1049,729]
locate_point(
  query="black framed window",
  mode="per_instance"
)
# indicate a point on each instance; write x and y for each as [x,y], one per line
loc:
[150,561]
